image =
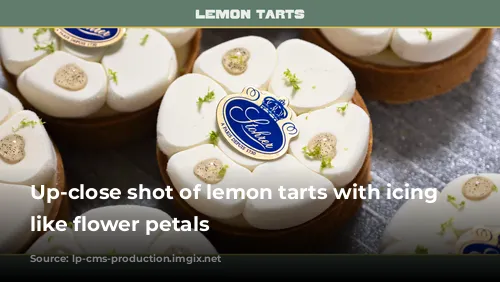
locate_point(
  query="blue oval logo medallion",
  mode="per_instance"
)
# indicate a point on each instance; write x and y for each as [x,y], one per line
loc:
[481,248]
[256,123]
[480,240]
[91,37]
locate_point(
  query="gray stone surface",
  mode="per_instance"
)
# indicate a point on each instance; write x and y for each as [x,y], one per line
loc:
[424,144]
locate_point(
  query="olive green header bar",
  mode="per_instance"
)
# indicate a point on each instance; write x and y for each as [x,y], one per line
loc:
[250,13]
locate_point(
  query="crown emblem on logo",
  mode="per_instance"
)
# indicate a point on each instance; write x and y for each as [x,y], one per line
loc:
[275,108]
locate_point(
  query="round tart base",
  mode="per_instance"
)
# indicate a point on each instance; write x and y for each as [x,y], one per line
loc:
[397,85]
[310,233]
[106,132]
[59,209]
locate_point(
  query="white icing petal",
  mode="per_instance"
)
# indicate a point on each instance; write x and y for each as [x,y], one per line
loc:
[388,58]
[142,70]
[174,70]
[277,213]
[474,213]
[178,36]
[180,169]
[105,111]
[37,85]
[417,221]
[18,47]
[39,163]
[56,243]
[436,247]
[236,156]
[260,65]
[359,41]
[324,79]
[412,44]
[17,206]
[9,105]
[181,122]
[86,53]
[352,130]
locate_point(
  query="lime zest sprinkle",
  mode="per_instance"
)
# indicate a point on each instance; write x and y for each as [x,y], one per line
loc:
[421,250]
[113,76]
[38,32]
[448,225]
[452,200]
[342,109]
[427,34]
[314,87]
[293,80]
[144,39]
[70,225]
[214,137]
[21,30]
[26,123]
[314,154]
[326,162]
[49,48]
[223,170]
[495,188]
[50,238]
[209,97]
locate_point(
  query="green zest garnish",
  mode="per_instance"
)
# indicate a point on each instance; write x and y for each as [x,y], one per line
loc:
[112,75]
[495,188]
[50,238]
[314,87]
[214,137]
[448,225]
[307,117]
[49,48]
[314,154]
[21,30]
[326,162]
[38,32]
[25,123]
[70,224]
[452,200]
[421,250]
[346,149]
[292,79]
[144,39]
[427,34]
[112,252]
[223,170]
[342,109]
[209,97]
